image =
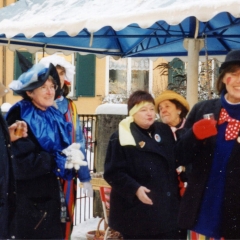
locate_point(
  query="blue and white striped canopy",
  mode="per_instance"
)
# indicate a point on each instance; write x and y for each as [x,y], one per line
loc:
[121,28]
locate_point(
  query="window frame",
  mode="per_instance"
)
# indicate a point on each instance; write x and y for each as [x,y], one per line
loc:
[129,77]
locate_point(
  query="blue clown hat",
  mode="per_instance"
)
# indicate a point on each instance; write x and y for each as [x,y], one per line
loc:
[34,78]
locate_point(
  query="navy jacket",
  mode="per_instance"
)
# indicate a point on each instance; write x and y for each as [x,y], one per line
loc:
[7,183]
[200,154]
[153,166]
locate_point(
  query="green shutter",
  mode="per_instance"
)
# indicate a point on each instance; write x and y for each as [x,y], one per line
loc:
[176,71]
[85,75]
[17,67]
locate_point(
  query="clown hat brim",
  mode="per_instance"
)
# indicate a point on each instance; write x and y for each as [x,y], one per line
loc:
[34,78]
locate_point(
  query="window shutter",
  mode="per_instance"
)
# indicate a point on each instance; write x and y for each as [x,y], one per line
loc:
[176,72]
[85,75]
[17,66]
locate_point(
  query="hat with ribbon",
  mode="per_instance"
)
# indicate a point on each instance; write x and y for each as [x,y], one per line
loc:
[58,60]
[233,57]
[170,95]
[34,78]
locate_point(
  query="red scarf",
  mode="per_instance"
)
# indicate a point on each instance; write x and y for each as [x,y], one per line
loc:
[233,126]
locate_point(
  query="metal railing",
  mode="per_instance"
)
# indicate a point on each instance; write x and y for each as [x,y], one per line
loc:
[84,204]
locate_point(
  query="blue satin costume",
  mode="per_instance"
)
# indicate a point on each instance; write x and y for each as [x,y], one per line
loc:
[51,131]
[83,172]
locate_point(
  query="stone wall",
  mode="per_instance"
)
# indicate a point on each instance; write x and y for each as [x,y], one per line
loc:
[107,124]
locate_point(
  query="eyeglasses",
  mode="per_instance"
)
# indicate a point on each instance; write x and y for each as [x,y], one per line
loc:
[51,88]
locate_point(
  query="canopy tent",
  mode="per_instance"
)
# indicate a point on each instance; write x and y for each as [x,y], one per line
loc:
[140,28]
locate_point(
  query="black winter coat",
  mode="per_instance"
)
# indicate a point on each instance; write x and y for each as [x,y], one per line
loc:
[153,166]
[200,154]
[37,199]
[7,184]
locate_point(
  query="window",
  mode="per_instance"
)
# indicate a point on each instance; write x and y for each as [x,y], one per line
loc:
[127,75]
[177,73]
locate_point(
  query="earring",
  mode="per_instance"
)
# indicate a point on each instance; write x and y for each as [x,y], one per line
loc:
[179,113]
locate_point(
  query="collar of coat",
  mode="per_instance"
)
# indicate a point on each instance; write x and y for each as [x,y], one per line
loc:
[161,142]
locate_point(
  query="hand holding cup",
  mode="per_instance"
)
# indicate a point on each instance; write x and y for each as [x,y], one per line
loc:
[17,130]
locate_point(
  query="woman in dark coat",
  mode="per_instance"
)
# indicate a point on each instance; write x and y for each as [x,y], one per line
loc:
[67,107]
[7,183]
[38,161]
[140,167]
[173,109]
[210,205]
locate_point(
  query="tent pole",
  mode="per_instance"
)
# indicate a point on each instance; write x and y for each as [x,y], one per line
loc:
[193,46]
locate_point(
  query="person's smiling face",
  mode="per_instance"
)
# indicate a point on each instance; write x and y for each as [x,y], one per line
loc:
[169,113]
[43,97]
[232,82]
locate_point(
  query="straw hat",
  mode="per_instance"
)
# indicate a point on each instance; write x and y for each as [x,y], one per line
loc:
[170,95]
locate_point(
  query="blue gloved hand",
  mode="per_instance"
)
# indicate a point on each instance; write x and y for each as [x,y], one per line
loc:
[87,189]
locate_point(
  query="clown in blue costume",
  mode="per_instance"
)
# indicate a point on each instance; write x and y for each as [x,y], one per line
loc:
[51,131]
[67,107]
[39,162]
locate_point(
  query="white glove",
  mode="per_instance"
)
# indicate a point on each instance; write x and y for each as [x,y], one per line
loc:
[67,152]
[73,145]
[77,158]
[68,163]
[74,156]
[87,189]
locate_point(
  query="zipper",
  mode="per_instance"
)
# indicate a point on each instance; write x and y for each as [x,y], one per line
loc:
[44,215]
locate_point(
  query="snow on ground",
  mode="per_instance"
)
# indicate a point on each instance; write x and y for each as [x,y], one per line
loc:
[84,211]
[80,230]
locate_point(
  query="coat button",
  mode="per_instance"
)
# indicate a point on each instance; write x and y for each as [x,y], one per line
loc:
[168,194]
[58,170]
[13,237]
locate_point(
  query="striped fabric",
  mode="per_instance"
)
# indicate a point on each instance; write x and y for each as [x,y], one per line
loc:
[70,187]
[196,236]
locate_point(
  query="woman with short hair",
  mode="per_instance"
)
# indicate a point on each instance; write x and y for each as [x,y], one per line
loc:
[173,109]
[140,167]
[67,107]
[39,162]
